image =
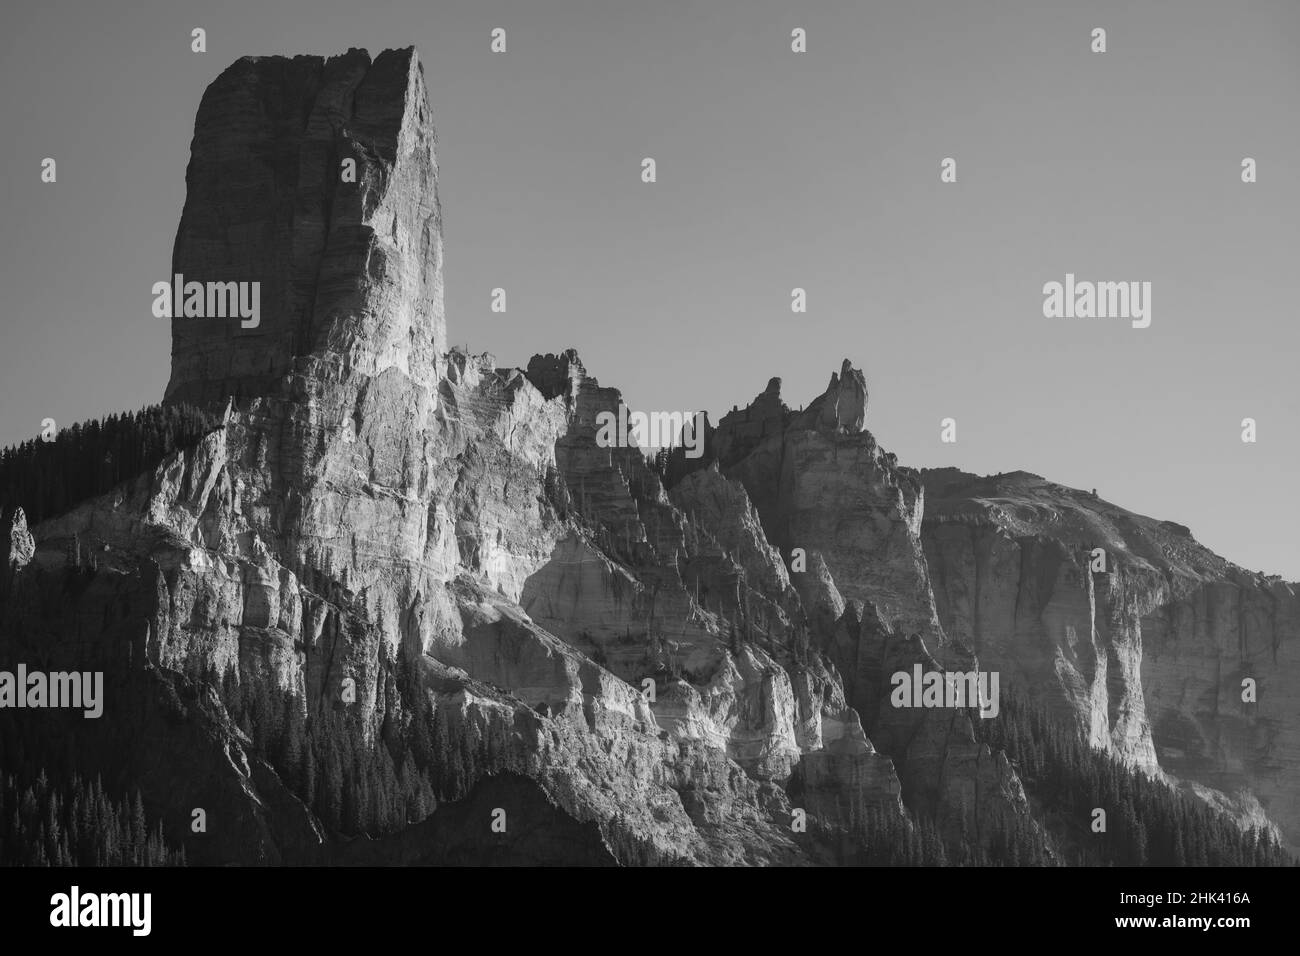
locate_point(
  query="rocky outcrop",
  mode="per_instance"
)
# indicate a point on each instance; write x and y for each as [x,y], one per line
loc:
[849,520]
[16,546]
[841,408]
[1128,628]
[821,483]
[683,590]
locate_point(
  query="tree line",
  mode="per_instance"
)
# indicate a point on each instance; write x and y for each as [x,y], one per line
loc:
[1148,823]
[354,786]
[47,478]
[78,825]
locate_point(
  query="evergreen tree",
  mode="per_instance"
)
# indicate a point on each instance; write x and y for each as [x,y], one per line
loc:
[47,478]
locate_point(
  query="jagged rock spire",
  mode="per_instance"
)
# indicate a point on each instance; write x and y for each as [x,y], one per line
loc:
[842,406]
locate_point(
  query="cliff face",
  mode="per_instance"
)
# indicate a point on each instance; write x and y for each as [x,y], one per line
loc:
[1147,655]
[823,486]
[439,534]
[349,261]
[434,560]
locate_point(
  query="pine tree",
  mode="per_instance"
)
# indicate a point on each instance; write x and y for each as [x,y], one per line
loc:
[331,810]
[291,741]
[139,829]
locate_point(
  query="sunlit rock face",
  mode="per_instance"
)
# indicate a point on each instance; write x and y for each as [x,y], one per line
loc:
[1147,653]
[440,535]
[848,519]
[349,261]
[626,657]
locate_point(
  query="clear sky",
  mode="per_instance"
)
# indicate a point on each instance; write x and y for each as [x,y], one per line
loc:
[775,170]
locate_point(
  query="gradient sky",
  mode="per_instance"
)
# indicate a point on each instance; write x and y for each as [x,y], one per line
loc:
[775,170]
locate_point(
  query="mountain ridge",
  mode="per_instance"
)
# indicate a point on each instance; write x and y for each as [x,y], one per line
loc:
[399,577]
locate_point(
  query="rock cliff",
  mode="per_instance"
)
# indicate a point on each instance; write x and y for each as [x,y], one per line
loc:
[401,588]
[437,536]
[1128,627]
[349,262]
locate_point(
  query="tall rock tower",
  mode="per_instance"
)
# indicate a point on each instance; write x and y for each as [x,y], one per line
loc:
[349,260]
[317,178]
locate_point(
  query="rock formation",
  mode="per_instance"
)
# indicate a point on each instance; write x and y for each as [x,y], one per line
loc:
[433,560]
[376,508]
[350,269]
[1148,654]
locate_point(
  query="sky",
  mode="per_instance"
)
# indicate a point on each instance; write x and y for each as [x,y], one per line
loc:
[775,170]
